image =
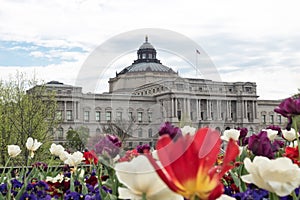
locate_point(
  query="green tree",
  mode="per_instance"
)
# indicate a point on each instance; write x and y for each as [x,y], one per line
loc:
[77,139]
[26,110]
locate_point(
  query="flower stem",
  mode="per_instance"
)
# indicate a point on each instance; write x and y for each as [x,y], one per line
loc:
[295,120]
[273,196]
[294,195]
[144,196]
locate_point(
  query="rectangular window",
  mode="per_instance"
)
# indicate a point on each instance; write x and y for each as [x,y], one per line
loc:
[69,115]
[279,119]
[179,115]
[119,115]
[86,116]
[60,134]
[108,116]
[130,144]
[97,115]
[140,116]
[201,115]
[263,119]
[272,119]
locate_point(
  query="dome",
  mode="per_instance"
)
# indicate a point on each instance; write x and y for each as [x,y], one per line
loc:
[146,44]
[147,61]
[147,67]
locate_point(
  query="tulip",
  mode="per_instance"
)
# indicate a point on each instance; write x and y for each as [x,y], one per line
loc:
[141,181]
[56,149]
[63,156]
[74,159]
[278,176]
[289,135]
[188,164]
[13,150]
[271,133]
[188,130]
[260,145]
[168,129]
[289,107]
[232,133]
[32,145]
[109,145]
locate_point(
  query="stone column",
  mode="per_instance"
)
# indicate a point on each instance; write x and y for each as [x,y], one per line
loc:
[176,108]
[172,107]
[65,110]
[245,109]
[188,106]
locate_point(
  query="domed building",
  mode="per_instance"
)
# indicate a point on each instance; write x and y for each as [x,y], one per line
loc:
[147,93]
[146,69]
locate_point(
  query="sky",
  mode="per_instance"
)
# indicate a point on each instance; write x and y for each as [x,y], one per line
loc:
[248,41]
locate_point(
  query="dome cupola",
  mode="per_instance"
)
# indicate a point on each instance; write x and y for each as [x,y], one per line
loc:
[146,52]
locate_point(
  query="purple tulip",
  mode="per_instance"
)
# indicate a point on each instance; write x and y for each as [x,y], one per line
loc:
[288,108]
[171,130]
[260,145]
[143,148]
[108,144]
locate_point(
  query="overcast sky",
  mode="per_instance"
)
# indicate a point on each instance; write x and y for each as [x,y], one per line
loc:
[255,41]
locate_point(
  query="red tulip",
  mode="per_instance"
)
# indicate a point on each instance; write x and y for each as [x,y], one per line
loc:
[188,164]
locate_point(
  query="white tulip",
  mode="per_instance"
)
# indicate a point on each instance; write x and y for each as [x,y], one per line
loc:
[188,130]
[32,145]
[74,159]
[140,178]
[289,135]
[279,176]
[56,149]
[232,133]
[271,133]
[13,150]
[63,156]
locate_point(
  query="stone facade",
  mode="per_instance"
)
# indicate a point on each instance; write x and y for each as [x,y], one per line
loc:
[145,94]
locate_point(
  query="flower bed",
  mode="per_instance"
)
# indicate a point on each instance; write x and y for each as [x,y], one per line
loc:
[186,164]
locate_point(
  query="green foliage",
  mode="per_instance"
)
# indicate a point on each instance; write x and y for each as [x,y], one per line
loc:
[25,113]
[77,139]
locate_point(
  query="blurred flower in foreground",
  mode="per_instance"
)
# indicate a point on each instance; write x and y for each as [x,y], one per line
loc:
[231,133]
[13,150]
[279,176]
[188,164]
[32,145]
[108,144]
[140,178]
